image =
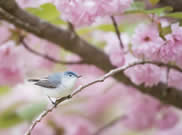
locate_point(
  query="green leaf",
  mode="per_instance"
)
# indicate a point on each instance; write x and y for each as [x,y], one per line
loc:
[106,27]
[154,2]
[16,114]
[85,30]
[164,31]
[137,5]
[125,27]
[58,21]
[176,15]
[9,117]
[4,90]
[29,112]
[47,12]
[157,11]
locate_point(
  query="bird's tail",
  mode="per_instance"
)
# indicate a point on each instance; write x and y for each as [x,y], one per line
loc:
[33,80]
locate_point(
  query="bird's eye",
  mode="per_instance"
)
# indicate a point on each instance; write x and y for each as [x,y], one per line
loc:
[70,75]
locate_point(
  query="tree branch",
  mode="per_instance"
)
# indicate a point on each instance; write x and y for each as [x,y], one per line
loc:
[45,56]
[11,12]
[71,27]
[63,38]
[117,31]
[160,64]
[76,91]
[175,4]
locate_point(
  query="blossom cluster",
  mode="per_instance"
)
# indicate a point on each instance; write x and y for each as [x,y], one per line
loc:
[89,10]
[14,56]
[98,104]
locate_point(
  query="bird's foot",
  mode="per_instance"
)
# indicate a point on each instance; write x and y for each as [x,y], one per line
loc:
[59,100]
[53,102]
[69,96]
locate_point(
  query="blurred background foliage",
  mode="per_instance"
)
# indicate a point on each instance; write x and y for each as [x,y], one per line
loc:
[94,107]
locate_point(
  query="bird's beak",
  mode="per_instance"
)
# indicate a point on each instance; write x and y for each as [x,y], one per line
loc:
[79,76]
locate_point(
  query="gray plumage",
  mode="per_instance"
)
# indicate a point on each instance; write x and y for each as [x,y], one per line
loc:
[52,81]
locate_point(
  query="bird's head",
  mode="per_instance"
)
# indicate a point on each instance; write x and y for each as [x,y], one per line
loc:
[70,74]
[69,78]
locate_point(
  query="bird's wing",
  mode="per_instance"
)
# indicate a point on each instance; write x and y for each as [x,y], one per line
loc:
[52,81]
[47,84]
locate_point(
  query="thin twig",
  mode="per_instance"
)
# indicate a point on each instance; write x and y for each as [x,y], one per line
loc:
[117,31]
[76,91]
[80,88]
[48,57]
[71,27]
[160,64]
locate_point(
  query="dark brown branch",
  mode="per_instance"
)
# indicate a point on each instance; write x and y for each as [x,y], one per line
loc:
[10,11]
[117,31]
[175,4]
[45,56]
[71,27]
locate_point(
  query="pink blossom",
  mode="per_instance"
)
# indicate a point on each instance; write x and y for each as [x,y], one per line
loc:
[16,61]
[96,89]
[11,71]
[41,46]
[148,74]
[83,69]
[146,41]
[100,103]
[168,118]
[111,7]
[117,56]
[77,12]
[84,12]
[174,79]
[74,125]
[167,52]
[176,130]
[171,50]
[141,113]
[6,33]
[43,129]
[114,50]
[176,31]
[87,77]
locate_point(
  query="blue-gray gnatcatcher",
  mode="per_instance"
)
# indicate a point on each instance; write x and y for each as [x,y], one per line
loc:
[58,84]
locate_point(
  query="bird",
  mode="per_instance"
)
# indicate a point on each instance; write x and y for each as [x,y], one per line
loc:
[57,85]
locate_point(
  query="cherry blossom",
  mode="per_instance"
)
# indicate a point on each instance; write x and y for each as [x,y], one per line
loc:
[84,12]
[146,41]
[148,74]
[11,71]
